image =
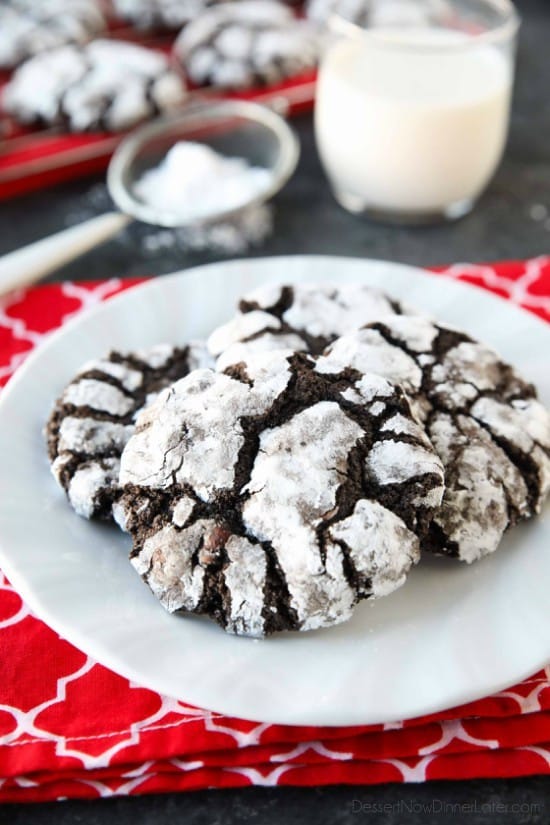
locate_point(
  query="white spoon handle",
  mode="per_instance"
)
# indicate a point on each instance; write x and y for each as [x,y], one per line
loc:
[29,264]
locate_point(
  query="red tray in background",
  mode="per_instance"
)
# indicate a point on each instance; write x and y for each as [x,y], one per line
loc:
[37,159]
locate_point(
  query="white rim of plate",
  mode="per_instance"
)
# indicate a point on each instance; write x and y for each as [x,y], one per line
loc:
[81,640]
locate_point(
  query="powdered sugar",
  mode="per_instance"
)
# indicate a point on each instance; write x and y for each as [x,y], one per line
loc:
[176,581]
[160,14]
[87,435]
[241,327]
[92,421]
[286,504]
[106,84]
[194,183]
[490,431]
[28,27]
[482,485]
[211,405]
[98,395]
[328,311]
[244,578]
[367,350]
[92,478]
[305,317]
[273,452]
[394,462]
[129,378]
[248,228]
[245,350]
[242,44]
[380,545]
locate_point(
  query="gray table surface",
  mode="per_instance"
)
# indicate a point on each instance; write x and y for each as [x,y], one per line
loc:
[307,220]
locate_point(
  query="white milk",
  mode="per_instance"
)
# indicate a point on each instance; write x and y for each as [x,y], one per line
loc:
[412,129]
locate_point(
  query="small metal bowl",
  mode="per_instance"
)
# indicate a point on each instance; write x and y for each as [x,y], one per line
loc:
[233,128]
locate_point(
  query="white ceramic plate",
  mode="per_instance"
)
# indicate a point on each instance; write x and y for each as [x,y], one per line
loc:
[452,634]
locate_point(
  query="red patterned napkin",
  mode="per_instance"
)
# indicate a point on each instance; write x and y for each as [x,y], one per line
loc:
[71,728]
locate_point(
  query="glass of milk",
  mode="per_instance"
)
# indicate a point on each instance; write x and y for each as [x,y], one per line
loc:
[413,105]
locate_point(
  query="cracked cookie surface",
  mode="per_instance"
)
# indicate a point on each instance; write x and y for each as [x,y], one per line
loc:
[483,419]
[302,317]
[94,418]
[275,496]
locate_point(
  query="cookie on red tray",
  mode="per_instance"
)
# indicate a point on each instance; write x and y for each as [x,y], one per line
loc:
[246,43]
[28,27]
[161,15]
[106,85]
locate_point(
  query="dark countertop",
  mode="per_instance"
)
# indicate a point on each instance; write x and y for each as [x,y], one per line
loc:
[508,802]
[307,220]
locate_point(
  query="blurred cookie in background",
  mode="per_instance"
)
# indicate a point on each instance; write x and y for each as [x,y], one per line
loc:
[161,15]
[30,27]
[107,85]
[357,11]
[248,43]
[378,13]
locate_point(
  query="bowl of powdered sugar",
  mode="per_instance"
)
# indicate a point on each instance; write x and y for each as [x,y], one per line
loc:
[206,164]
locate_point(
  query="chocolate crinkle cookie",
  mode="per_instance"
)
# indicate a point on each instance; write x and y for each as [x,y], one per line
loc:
[28,27]
[246,43]
[94,418]
[277,495]
[304,317]
[107,85]
[170,15]
[483,419]
[373,13]
[356,11]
